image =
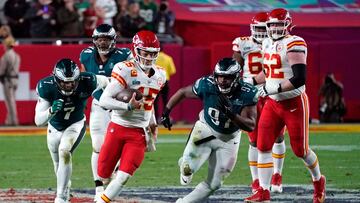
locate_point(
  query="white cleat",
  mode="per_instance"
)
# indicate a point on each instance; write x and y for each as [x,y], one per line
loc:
[276,183]
[185,173]
[185,180]
[98,191]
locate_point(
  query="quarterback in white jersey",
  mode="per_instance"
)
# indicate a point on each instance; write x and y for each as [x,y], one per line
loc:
[125,139]
[247,51]
[129,75]
[100,60]
[287,105]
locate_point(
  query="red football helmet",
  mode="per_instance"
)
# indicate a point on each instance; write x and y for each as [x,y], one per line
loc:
[258,26]
[279,23]
[146,47]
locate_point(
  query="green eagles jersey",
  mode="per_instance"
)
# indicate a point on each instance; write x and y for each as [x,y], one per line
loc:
[89,58]
[205,88]
[74,105]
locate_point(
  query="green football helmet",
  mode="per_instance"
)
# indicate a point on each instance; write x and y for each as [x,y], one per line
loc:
[104,38]
[66,74]
[227,75]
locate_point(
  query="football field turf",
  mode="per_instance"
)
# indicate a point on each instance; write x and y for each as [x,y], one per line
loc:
[26,163]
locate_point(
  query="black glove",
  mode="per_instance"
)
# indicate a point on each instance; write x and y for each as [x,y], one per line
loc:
[225,106]
[165,118]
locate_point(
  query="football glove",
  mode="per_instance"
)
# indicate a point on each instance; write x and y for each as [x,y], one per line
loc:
[269,89]
[165,118]
[225,106]
[56,106]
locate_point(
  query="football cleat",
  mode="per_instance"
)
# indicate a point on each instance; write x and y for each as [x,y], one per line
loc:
[98,191]
[319,190]
[260,195]
[255,185]
[185,173]
[276,183]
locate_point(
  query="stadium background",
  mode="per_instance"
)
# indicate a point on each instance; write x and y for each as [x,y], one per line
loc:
[332,32]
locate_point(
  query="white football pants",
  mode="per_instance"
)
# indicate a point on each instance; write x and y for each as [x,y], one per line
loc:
[99,120]
[221,153]
[61,145]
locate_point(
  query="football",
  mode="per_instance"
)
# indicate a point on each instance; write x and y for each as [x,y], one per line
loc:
[125,95]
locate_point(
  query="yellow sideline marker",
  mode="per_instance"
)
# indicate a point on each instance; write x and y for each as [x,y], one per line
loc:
[176,130]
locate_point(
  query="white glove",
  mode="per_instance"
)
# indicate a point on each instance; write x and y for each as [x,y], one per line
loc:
[268,89]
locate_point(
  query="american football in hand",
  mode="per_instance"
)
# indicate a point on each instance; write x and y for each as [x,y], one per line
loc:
[126,94]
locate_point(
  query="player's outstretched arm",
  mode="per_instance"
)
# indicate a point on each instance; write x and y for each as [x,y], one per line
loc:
[182,93]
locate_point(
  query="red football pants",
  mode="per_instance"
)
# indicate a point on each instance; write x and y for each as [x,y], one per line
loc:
[259,107]
[126,144]
[292,113]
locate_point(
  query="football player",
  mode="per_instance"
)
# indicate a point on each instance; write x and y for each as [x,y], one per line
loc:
[229,106]
[285,74]
[100,60]
[247,51]
[61,103]
[127,135]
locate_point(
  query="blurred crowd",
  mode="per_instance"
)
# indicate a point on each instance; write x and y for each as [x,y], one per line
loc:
[78,18]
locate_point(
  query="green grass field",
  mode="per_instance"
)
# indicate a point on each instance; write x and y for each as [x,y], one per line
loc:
[26,163]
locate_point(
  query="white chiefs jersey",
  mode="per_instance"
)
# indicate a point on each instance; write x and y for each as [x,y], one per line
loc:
[251,53]
[276,65]
[130,75]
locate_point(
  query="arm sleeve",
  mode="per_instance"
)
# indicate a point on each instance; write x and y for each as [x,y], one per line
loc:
[42,113]
[107,99]
[299,78]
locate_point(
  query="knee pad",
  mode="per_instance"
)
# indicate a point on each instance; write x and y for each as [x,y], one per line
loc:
[65,155]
